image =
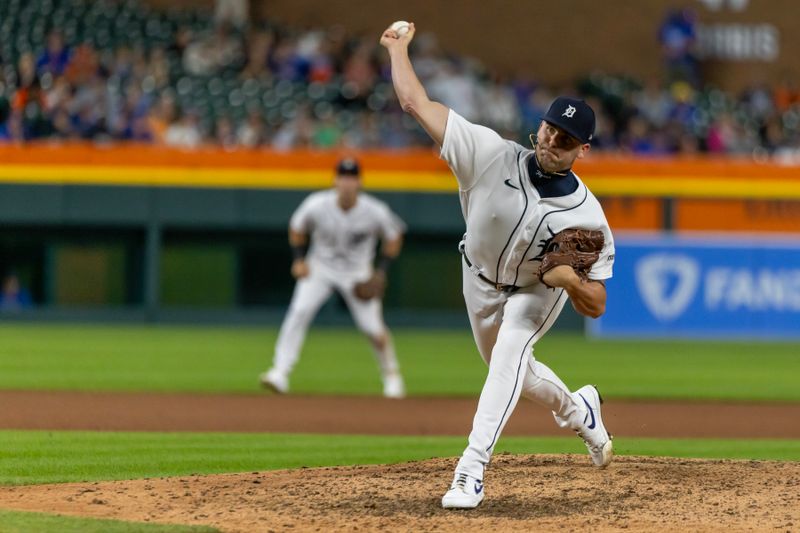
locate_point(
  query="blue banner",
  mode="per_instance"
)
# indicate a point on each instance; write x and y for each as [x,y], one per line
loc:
[703,287]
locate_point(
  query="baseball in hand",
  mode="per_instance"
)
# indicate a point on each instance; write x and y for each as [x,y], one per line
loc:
[400,27]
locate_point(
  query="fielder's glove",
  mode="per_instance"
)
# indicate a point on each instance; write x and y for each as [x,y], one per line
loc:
[371,288]
[578,248]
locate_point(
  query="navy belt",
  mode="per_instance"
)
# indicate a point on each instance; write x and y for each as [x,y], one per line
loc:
[509,289]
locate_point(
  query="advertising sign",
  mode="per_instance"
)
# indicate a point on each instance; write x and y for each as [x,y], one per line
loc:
[703,287]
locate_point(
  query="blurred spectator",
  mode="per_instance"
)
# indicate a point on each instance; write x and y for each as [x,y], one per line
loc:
[683,104]
[5,133]
[158,70]
[206,56]
[296,133]
[55,57]
[677,37]
[286,63]
[83,65]
[252,132]
[771,134]
[140,130]
[757,101]
[501,110]
[653,103]
[687,145]
[603,130]
[27,83]
[88,118]
[182,39]
[161,117]
[453,87]
[786,95]
[28,118]
[258,50]
[639,138]
[13,130]
[394,134]
[233,12]
[726,135]
[789,154]
[327,134]
[184,132]
[14,296]
[365,134]
[322,62]
[534,107]
[428,58]
[224,134]
[359,75]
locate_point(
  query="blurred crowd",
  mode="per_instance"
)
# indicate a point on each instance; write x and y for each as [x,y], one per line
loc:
[216,82]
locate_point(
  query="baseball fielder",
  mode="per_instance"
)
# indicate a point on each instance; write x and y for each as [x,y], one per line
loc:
[344,226]
[514,201]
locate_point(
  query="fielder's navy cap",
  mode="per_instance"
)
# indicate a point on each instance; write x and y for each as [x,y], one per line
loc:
[572,115]
[348,167]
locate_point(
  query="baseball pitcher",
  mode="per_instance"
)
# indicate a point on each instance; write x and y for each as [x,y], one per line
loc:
[535,237]
[333,235]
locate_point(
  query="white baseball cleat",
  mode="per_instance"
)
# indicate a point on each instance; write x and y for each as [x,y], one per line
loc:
[593,432]
[466,492]
[275,380]
[393,386]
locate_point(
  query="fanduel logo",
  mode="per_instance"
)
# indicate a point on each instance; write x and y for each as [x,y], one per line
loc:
[667,283]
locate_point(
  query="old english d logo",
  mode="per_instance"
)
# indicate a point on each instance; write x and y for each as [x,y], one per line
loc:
[654,275]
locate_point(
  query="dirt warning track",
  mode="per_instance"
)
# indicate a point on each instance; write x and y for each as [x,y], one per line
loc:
[370,415]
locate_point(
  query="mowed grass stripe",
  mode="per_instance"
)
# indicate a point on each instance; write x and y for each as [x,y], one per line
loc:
[33,457]
[339,361]
[28,522]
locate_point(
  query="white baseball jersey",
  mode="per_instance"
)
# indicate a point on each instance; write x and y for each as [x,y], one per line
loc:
[509,218]
[342,240]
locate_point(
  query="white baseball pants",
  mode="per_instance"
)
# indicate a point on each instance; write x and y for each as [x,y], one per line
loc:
[309,295]
[505,327]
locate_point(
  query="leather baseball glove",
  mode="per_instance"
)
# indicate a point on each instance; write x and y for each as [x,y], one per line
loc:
[371,288]
[578,248]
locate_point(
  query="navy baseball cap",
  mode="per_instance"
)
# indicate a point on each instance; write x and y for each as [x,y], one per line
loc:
[348,167]
[572,115]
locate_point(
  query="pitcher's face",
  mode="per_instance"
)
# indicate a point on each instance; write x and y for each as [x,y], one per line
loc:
[556,150]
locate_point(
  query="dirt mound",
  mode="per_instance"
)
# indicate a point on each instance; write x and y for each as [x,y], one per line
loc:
[523,492]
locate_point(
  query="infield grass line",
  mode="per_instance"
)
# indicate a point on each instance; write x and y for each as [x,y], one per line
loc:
[34,457]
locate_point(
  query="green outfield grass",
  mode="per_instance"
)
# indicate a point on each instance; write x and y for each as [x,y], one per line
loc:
[24,522]
[32,457]
[339,361]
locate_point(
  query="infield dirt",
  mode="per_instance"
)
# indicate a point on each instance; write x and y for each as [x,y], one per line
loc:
[523,493]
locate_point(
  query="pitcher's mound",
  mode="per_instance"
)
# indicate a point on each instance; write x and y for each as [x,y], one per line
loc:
[523,492]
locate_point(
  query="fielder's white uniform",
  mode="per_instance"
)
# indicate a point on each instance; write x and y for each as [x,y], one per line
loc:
[341,254]
[510,217]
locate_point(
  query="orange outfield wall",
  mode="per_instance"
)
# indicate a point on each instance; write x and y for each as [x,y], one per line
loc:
[738,215]
[146,155]
[413,160]
[630,213]
[707,193]
[77,153]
